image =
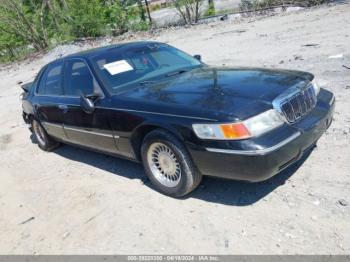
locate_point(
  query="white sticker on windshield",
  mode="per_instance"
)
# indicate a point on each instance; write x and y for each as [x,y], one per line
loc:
[118,67]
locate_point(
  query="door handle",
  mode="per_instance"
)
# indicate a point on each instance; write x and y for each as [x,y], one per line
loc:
[63,107]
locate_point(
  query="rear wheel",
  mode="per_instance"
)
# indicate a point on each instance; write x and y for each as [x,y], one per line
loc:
[168,164]
[45,142]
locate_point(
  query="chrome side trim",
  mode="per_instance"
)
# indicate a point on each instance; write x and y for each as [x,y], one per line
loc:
[258,151]
[78,129]
[51,124]
[88,131]
[155,113]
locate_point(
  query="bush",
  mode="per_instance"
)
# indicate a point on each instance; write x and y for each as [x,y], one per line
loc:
[211,8]
[140,26]
[86,18]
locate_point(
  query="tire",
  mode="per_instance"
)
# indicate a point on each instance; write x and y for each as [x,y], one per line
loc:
[168,164]
[45,142]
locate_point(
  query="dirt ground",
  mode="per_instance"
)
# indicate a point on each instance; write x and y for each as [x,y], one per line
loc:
[72,201]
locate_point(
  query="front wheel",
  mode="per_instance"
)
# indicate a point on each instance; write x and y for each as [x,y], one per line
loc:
[44,141]
[168,164]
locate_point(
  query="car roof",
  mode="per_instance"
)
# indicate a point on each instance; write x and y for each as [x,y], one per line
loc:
[105,49]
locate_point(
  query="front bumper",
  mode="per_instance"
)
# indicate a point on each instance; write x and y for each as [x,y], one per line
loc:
[260,158]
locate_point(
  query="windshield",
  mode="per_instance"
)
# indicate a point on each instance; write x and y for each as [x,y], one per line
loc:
[124,67]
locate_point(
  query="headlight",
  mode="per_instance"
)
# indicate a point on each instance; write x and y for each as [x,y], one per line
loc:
[316,86]
[251,127]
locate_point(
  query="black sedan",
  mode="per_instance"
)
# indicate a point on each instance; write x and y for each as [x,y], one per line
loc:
[152,103]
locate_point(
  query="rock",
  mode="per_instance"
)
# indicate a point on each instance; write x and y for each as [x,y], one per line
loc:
[336,56]
[281,62]
[343,202]
[223,18]
[291,204]
[316,202]
[311,45]
[298,57]
[226,243]
[290,236]
[341,246]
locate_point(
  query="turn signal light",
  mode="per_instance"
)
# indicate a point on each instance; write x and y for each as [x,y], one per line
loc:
[235,131]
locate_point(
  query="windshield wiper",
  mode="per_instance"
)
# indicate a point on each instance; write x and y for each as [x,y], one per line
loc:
[146,82]
[176,73]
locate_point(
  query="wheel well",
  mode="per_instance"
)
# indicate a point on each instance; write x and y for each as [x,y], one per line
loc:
[139,135]
[27,117]
[31,117]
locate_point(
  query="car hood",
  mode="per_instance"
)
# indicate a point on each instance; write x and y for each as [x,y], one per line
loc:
[221,93]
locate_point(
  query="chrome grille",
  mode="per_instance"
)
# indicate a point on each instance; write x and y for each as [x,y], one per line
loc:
[299,104]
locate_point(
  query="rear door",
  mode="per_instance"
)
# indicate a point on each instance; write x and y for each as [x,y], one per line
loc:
[88,129]
[47,100]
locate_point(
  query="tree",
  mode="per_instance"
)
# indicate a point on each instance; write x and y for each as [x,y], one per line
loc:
[87,18]
[39,24]
[16,19]
[9,44]
[189,10]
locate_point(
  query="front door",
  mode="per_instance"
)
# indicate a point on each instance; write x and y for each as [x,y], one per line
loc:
[47,100]
[88,129]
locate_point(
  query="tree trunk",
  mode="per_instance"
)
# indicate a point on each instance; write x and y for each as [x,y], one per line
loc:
[148,12]
[142,10]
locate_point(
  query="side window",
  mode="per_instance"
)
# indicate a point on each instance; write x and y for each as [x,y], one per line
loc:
[78,79]
[51,81]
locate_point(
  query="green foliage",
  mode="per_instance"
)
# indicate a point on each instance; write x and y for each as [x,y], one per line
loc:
[10,46]
[211,8]
[120,16]
[27,25]
[86,18]
[140,26]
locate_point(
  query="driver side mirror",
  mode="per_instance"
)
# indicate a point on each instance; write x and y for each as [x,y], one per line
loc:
[198,57]
[87,103]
